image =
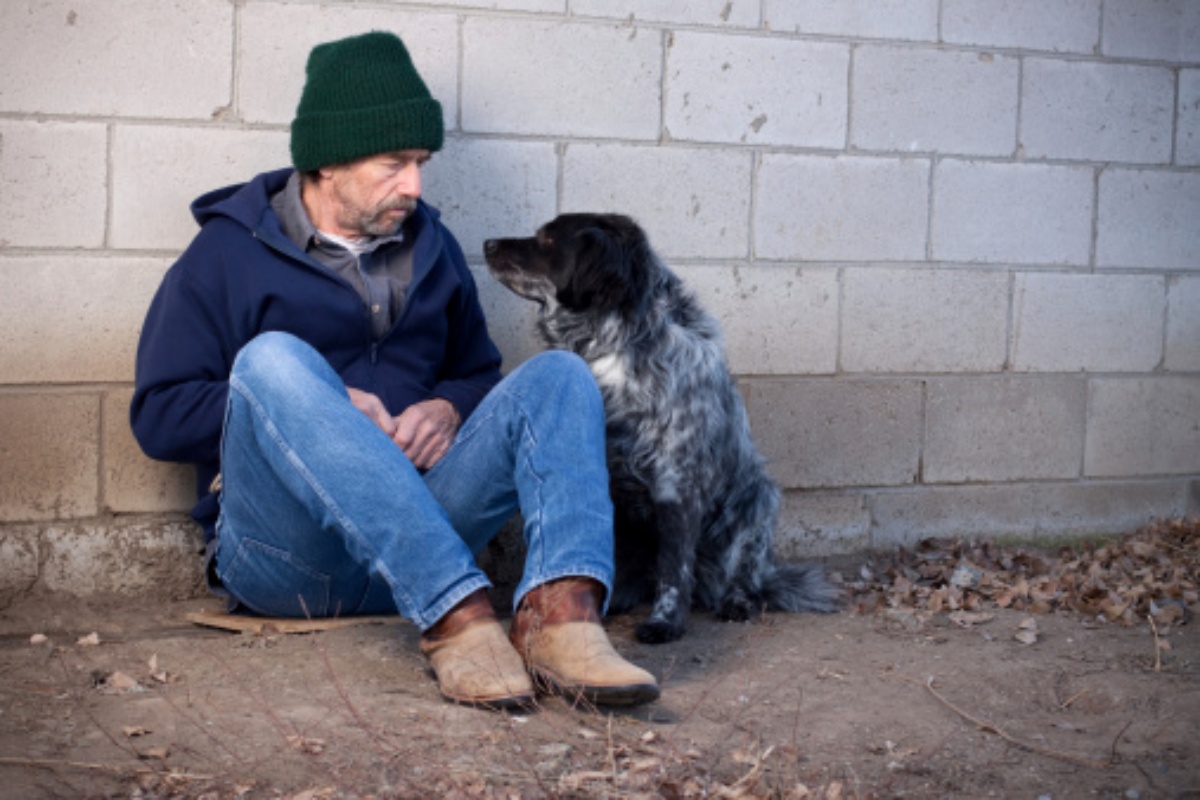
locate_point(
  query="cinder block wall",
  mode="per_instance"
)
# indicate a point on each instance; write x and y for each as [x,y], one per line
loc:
[955,244]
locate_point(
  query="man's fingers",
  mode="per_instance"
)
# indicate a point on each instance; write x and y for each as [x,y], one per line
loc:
[425,431]
[373,408]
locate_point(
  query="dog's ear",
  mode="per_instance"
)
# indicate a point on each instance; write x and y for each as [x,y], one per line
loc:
[613,266]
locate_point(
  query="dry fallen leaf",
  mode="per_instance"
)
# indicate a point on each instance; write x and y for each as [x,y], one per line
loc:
[1027,631]
[645,764]
[312,747]
[91,640]
[121,682]
[574,781]
[132,731]
[967,619]
[38,638]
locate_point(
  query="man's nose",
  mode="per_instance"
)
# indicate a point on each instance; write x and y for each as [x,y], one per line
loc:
[410,179]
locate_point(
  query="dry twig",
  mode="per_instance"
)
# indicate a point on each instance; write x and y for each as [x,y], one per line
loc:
[1158,648]
[46,763]
[988,727]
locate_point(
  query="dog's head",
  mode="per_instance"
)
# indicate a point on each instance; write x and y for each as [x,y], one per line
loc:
[585,263]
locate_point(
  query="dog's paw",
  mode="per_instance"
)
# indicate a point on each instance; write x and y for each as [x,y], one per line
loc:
[656,631]
[737,609]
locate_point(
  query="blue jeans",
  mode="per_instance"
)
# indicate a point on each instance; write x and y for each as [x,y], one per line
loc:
[323,515]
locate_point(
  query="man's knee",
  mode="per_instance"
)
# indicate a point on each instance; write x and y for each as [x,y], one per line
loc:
[556,372]
[273,357]
[559,366]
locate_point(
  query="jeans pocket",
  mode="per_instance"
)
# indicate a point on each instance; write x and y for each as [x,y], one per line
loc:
[273,582]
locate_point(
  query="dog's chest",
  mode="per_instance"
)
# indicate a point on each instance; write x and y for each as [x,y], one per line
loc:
[611,372]
[626,392]
[635,405]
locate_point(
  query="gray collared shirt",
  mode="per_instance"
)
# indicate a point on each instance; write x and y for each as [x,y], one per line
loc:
[380,274]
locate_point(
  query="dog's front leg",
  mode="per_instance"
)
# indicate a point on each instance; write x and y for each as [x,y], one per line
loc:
[678,529]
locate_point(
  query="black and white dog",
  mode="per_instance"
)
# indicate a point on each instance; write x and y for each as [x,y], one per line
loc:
[695,508]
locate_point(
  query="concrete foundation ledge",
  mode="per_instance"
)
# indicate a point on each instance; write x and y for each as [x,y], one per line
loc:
[160,556]
[147,557]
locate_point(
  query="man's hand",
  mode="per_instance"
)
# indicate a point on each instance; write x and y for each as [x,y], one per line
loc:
[426,430]
[373,407]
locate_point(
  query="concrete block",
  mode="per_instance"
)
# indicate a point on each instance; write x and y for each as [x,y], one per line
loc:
[751,90]
[693,203]
[133,483]
[1187,125]
[1143,426]
[49,457]
[51,172]
[819,433]
[820,524]
[1023,213]
[1097,112]
[950,102]
[1003,429]
[580,79]
[1025,511]
[154,559]
[549,6]
[116,57]
[1061,26]
[814,208]
[159,171]
[18,562]
[1148,220]
[275,40]
[708,13]
[1092,323]
[1183,324]
[908,320]
[1163,30]
[866,19]
[489,188]
[70,319]
[776,320]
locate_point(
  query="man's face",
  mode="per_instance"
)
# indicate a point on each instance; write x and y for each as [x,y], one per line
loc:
[373,195]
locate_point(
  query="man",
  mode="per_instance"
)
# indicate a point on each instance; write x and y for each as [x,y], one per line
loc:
[320,354]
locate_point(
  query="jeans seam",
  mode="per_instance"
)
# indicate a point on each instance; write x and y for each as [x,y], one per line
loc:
[242,554]
[301,468]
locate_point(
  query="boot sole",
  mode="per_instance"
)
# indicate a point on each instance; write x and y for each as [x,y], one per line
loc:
[629,695]
[513,703]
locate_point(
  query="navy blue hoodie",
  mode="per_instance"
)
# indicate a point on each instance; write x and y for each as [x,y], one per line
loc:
[242,276]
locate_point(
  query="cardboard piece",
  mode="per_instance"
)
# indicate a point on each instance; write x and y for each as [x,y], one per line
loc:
[243,623]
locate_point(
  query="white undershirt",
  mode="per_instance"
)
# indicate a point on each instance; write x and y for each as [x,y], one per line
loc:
[356,246]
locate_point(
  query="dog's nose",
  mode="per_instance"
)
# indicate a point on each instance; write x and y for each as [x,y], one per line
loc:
[489,247]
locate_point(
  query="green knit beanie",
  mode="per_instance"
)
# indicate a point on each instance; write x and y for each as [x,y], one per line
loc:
[362,97]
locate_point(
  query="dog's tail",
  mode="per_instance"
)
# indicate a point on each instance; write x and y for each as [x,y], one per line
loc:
[800,587]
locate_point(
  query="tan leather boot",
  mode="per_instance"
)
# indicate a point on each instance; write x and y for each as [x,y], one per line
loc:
[557,631]
[474,662]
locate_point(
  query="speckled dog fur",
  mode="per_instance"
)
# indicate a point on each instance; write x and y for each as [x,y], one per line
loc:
[695,508]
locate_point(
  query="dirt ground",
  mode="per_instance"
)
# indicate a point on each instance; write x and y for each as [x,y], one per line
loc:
[877,703]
